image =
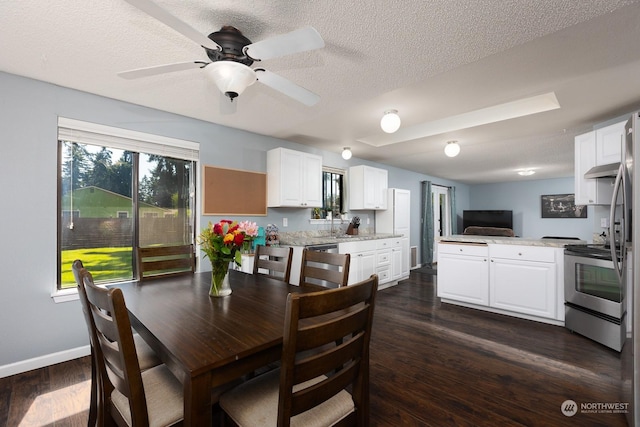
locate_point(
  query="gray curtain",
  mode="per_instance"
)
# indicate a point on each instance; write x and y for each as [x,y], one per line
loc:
[454,216]
[426,233]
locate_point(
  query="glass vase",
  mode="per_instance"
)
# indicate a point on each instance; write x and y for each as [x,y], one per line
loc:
[220,280]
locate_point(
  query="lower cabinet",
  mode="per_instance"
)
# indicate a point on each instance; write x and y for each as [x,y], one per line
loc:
[510,279]
[463,273]
[381,256]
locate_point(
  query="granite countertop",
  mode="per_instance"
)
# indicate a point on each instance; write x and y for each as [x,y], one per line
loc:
[551,243]
[305,240]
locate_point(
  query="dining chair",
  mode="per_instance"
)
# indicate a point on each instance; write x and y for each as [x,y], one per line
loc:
[131,397]
[324,268]
[319,383]
[147,358]
[154,261]
[276,260]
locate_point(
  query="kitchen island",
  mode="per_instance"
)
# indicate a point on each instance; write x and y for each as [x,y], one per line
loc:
[380,253]
[508,275]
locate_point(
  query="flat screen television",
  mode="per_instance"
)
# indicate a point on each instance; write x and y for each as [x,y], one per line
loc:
[487,218]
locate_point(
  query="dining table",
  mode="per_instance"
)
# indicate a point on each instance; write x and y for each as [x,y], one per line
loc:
[206,341]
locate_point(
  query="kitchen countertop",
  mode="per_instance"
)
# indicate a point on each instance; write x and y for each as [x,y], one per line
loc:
[324,240]
[551,243]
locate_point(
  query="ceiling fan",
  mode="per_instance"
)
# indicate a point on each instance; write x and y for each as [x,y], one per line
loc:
[232,54]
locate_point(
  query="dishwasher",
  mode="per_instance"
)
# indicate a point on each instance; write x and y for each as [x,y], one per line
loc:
[329,248]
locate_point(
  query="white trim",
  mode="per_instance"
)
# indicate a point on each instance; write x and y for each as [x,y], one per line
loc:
[124,139]
[65,295]
[42,361]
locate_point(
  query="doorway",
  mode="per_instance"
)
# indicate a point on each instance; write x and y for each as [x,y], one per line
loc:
[441,214]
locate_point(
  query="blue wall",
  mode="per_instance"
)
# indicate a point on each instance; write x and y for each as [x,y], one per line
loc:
[523,198]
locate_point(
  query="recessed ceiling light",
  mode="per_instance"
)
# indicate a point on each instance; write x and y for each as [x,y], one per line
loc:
[527,172]
[496,113]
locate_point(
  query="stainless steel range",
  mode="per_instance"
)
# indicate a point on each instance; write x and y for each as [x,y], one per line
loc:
[595,295]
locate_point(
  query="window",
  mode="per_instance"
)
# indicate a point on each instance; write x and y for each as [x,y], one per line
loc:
[332,191]
[126,190]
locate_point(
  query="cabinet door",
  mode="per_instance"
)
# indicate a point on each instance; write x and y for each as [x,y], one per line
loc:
[609,143]
[363,265]
[527,287]
[585,159]
[396,263]
[291,183]
[312,177]
[463,278]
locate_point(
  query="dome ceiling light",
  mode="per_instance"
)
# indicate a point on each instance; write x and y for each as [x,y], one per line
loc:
[346,153]
[452,148]
[390,121]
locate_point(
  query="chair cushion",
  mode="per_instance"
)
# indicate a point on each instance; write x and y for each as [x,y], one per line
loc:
[147,358]
[255,403]
[163,393]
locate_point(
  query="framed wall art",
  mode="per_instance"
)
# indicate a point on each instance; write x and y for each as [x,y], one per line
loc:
[561,206]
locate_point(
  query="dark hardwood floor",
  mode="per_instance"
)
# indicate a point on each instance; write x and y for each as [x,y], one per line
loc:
[432,364]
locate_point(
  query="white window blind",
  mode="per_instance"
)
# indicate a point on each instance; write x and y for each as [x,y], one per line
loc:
[140,142]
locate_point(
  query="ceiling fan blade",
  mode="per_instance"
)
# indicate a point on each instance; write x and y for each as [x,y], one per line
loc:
[160,69]
[285,44]
[152,9]
[287,87]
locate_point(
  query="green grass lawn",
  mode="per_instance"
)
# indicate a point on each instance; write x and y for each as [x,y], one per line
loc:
[103,263]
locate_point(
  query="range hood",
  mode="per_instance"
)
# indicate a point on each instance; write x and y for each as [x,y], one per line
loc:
[603,171]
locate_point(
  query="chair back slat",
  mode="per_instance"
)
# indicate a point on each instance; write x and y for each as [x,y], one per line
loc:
[118,366]
[326,349]
[273,261]
[324,268]
[154,261]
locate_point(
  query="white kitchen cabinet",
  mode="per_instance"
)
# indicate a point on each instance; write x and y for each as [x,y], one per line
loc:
[397,257]
[294,179]
[396,219]
[523,279]
[600,147]
[367,188]
[609,143]
[363,259]
[463,273]
[383,260]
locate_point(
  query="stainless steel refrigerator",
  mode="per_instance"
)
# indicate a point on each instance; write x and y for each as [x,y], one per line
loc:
[631,349]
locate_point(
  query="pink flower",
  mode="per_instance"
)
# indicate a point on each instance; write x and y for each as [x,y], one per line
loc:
[249,228]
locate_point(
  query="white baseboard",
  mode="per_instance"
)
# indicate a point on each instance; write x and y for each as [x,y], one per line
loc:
[42,361]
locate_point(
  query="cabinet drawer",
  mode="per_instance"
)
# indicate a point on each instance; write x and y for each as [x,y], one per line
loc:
[463,249]
[384,274]
[384,243]
[384,258]
[527,253]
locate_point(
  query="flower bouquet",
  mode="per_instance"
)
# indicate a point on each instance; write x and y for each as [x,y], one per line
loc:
[250,230]
[221,243]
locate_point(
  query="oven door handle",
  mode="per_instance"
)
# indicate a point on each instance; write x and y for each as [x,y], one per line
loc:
[617,266]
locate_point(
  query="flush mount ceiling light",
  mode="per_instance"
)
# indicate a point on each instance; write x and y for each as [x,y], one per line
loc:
[231,78]
[390,121]
[452,148]
[493,114]
[346,153]
[527,172]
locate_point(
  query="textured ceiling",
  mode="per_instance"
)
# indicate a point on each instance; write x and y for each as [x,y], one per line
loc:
[428,59]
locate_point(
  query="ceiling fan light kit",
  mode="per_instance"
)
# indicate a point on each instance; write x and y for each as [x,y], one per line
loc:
[231,54]
[527,172]
[346,153]
[231,78]
[390,121]
[452,149]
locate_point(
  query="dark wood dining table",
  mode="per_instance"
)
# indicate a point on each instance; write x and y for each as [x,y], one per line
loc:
[205,341]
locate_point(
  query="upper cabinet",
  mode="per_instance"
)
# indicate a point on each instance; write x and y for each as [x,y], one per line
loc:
[367,188]
[294,179]
[600,147]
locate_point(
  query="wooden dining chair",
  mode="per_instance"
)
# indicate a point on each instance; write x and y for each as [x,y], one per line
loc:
[147,358]
[319,383]
[275,260]
[131,397]
[154,261]
[324,268]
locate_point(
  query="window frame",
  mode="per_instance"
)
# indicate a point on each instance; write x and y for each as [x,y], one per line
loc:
[117,138]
